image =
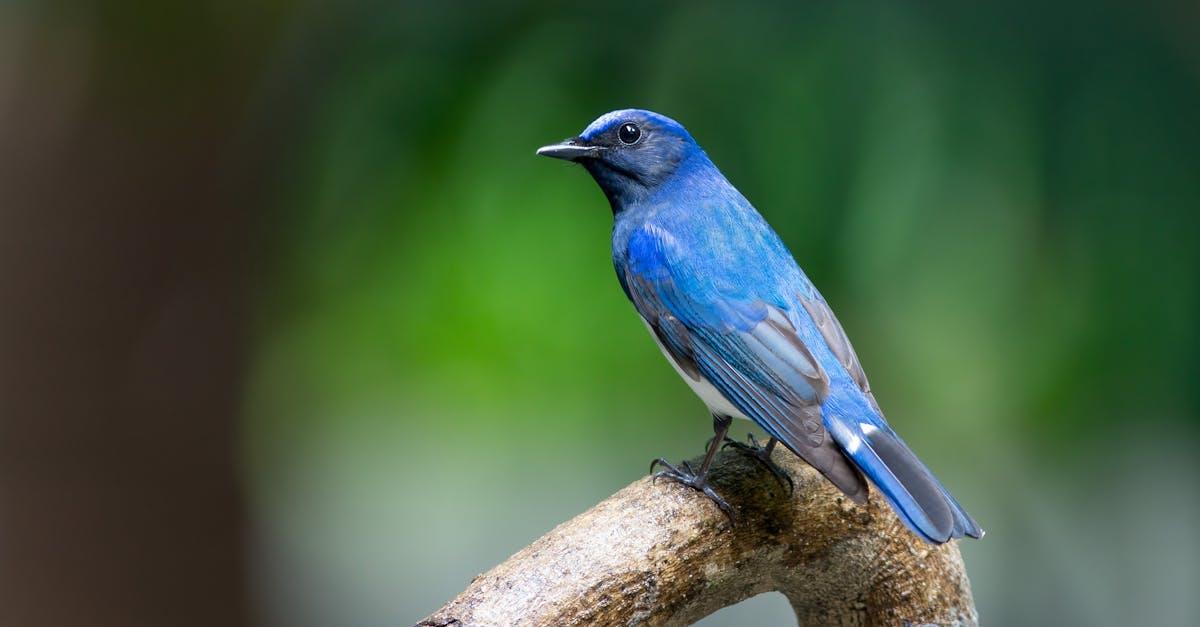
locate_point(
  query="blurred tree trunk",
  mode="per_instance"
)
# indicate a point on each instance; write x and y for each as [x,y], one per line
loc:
[123,255]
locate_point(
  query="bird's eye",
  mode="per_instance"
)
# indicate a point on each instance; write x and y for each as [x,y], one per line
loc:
[629,133]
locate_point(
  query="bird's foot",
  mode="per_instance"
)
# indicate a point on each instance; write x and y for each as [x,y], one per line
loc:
[762,454]
[687,476]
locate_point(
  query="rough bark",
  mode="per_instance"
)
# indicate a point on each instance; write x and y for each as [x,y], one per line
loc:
[658,553]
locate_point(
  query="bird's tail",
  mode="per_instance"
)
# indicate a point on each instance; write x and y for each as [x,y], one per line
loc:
[918,497]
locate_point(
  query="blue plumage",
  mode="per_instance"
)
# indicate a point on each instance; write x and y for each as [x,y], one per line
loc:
[741,322]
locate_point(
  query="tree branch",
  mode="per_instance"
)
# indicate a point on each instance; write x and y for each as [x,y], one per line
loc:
[658,553]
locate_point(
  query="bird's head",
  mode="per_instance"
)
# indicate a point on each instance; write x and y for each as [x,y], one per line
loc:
[629,152]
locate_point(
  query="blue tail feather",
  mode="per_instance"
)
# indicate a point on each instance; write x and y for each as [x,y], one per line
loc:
[924,505]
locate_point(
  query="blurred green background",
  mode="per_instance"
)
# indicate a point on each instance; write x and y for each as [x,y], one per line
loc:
[1001,200]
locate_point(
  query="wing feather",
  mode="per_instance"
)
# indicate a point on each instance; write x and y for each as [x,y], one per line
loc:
[748,350]
[839,344]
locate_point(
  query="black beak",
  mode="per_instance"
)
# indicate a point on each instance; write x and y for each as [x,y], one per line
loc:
[572,149]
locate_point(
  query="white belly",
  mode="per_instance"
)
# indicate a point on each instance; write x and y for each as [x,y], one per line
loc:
[716,402]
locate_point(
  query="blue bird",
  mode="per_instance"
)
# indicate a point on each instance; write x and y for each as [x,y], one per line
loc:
[742,324]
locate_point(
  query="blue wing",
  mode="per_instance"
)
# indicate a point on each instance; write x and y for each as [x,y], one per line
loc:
[755,353]
[748,349]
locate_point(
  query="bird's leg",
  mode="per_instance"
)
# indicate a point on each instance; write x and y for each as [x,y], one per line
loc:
[696,479]
[763,455]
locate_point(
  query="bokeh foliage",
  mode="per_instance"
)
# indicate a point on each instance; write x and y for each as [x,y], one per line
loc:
[1001,201]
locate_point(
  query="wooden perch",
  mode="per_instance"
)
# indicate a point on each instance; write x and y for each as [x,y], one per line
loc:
[658,553]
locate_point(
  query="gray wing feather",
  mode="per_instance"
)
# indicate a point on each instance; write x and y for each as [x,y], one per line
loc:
[835,338]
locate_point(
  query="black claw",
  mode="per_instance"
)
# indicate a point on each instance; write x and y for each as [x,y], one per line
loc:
[751,447]
[688,477]
[716,498]
[763,456]
[661,462]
